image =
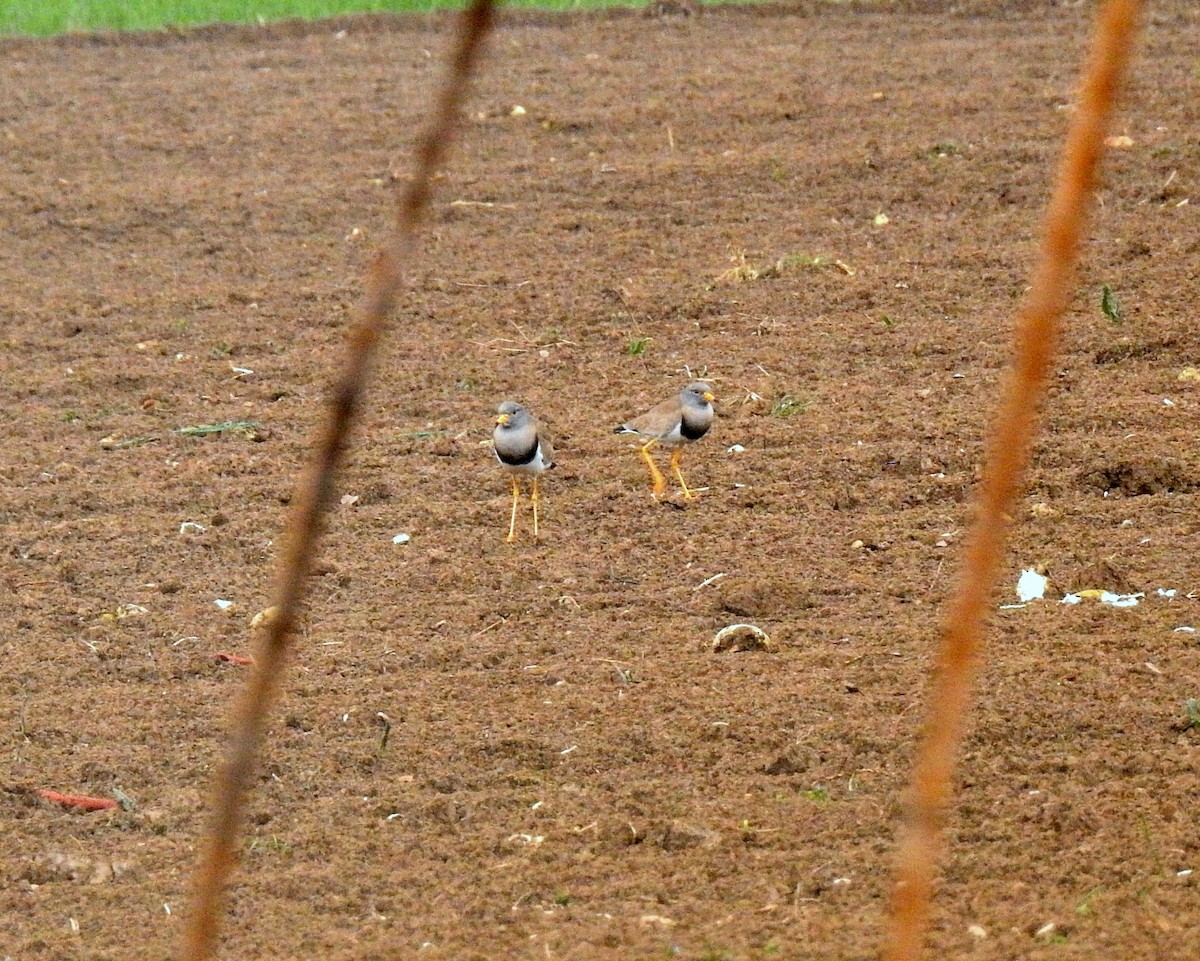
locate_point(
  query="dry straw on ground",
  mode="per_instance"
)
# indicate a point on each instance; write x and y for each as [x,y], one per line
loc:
[1012,437]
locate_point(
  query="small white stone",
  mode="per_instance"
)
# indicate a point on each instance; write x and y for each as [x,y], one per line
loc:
[401,538]
[977,931]
[735,449]
[1046,930]
[223,604]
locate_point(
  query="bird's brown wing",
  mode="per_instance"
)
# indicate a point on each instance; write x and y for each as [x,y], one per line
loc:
[659,420]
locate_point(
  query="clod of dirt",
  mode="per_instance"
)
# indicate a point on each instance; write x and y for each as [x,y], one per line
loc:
[681,835]
[1099,575]
[264,618]
[620,833]
[57,866]
[1135,478]
[741,637]
[1132,350]
[763,598]
[794,760]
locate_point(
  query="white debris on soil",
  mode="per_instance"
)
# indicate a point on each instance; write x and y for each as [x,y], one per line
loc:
[1121,600]
[1031,586]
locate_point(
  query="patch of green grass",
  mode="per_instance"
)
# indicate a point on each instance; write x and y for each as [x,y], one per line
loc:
[744,271]
[787,405]
[637,346]
[562,899]
[817,794]
[273,844]
[245,428]
[46,17]
[947,148]
[71,416]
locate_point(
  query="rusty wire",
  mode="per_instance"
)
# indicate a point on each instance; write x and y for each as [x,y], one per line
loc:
[1036,336]
[315,491]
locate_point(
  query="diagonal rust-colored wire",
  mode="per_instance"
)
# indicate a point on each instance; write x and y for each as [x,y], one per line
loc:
[1008,455]
[305,522]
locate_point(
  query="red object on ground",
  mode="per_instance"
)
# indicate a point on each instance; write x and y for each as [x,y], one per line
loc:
[80,801]
[233,658]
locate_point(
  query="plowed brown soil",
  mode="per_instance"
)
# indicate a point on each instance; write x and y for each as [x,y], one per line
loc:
[570,771]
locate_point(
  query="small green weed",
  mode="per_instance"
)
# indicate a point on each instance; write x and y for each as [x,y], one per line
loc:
[562,899]
[1191,711]
[1110,306]
[1084,907]
[637,346]
[817,794]
[71,416]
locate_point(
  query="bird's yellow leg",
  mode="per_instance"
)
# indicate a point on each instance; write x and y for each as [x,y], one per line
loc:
[655,474]
[534,498]
[512,521]
[676,459]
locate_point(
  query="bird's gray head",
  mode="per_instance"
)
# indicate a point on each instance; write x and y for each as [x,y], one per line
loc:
[511,414]
[698,393]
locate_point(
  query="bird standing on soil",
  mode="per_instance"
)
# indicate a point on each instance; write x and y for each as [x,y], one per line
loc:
[521,448]
[681,419]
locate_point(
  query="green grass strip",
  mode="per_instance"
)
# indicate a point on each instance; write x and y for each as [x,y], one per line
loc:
[50,17]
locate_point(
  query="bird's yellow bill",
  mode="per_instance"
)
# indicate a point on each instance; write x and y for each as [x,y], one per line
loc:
[709,396]
[502,419]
